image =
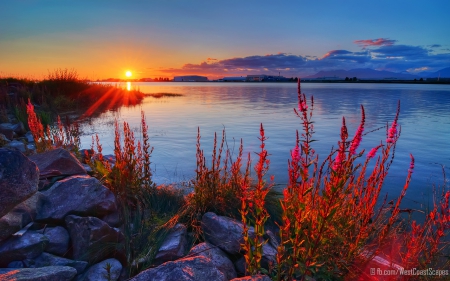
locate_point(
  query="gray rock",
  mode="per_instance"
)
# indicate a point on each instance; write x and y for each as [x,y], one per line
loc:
[113,219]
[217,256]
[57,162]
[253,278]
[174,245]
[18,179]
[187,269]
[98,271]
[29,137]
[58,240]
[17,128]
[226,233]
[19,145]
[16,264]
[223,232]
[92,238]
[46,259]
[20,216]
[49,273]
[4,140]
[27,246]
[8,133]
[78,195]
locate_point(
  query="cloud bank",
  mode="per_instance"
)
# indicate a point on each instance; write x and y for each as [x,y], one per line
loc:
[379,54]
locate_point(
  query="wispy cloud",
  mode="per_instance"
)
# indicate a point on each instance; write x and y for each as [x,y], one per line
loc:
[375,42]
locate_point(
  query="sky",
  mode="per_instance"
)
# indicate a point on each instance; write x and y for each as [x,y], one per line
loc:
[103,39]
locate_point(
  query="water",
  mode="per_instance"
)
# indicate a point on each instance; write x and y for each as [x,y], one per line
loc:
[241,107]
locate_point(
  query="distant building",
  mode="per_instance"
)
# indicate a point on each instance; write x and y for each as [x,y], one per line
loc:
[256,78]
[234,79]
[190,78]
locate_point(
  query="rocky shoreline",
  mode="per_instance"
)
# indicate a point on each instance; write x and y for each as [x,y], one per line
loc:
[58,223]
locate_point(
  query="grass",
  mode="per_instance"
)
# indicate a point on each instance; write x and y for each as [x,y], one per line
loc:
[327,216]
[62,90]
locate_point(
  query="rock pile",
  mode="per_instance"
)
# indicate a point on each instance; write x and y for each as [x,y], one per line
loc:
[58,223]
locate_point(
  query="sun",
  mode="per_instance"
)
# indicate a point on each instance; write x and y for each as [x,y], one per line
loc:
[128,73]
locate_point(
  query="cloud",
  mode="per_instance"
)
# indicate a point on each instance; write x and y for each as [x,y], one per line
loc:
[375,42]
[435,46]
[383,55]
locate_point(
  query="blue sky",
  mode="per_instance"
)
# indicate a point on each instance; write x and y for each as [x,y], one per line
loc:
[102,39]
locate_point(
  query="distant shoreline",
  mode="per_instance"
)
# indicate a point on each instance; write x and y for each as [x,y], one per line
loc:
[447,82]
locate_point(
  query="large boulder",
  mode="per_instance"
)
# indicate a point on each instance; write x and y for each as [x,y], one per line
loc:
[18,179]
[174,245]
[57,162]
[77,195]
[223,232]
[187,269]
[49,273]
[226,233]
[98,271]
[28,246]
[46,259]
[217,256]
[58,240]
[20,216]
[19,145]
[92,239]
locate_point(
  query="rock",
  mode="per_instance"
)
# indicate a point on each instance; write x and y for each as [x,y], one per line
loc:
[49,273]
[16,264]
[18,179]
[29,137]
[8,133]
[57,162]
[20,216]
[27,246]
[4,140]
[46,259]
[89,235]
[223,232]
[253,278]
[226,233]
[174,245]
[240,265]
[87,168]
[58,240]
[98,271]
[78,195]
[17,128]
[15,144]
[217,256]
[113,219]
[187,269]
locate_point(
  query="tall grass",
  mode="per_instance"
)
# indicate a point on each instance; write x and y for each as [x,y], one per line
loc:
[141,208]
[46,138]
[331,225]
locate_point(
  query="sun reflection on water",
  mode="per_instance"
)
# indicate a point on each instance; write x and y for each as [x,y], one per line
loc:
[128,86]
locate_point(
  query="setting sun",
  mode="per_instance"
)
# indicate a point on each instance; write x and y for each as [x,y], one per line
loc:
[128,73]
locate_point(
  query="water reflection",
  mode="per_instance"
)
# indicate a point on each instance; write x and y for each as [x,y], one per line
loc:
[128,86]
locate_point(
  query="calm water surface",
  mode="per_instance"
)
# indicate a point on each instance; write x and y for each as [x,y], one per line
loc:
[241,107]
